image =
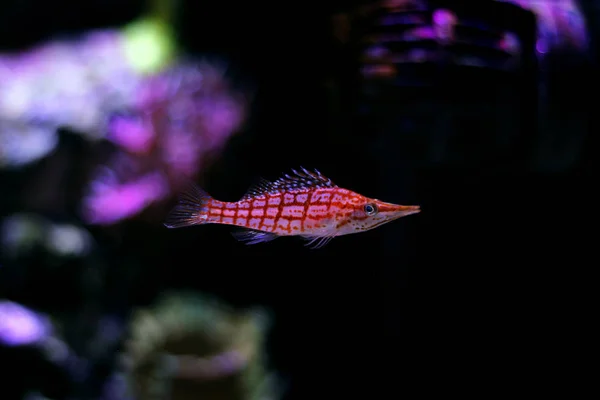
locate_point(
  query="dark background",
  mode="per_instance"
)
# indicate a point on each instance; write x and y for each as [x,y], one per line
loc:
[471,291]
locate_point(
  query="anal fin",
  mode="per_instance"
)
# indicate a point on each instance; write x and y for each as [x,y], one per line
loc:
[253,237]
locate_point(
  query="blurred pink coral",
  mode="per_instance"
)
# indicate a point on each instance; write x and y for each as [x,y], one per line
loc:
[180,117]
[108,204]
[133,135]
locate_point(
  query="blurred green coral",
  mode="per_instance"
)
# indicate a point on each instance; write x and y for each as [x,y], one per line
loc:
[191,346]
[149,44]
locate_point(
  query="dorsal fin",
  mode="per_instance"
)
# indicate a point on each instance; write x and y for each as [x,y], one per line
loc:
[261,187]
[302,179]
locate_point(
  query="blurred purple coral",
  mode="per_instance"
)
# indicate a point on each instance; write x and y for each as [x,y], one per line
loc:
[444,22]
[176,120]
[72,84]
[21,326]
[179,119]
[561,24]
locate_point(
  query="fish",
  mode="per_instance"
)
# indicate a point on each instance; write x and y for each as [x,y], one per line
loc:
[305,204]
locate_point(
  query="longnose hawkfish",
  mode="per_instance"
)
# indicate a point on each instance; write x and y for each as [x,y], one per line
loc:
[305,204]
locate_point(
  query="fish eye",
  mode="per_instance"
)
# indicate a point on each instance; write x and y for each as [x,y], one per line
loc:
[371,209]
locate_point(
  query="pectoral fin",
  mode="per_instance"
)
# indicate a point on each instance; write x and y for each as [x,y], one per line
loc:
[316,242]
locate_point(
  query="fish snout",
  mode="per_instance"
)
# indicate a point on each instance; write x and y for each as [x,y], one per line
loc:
[408,210]
[397,211]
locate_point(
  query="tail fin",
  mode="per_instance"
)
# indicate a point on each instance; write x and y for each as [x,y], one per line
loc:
[188,211]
